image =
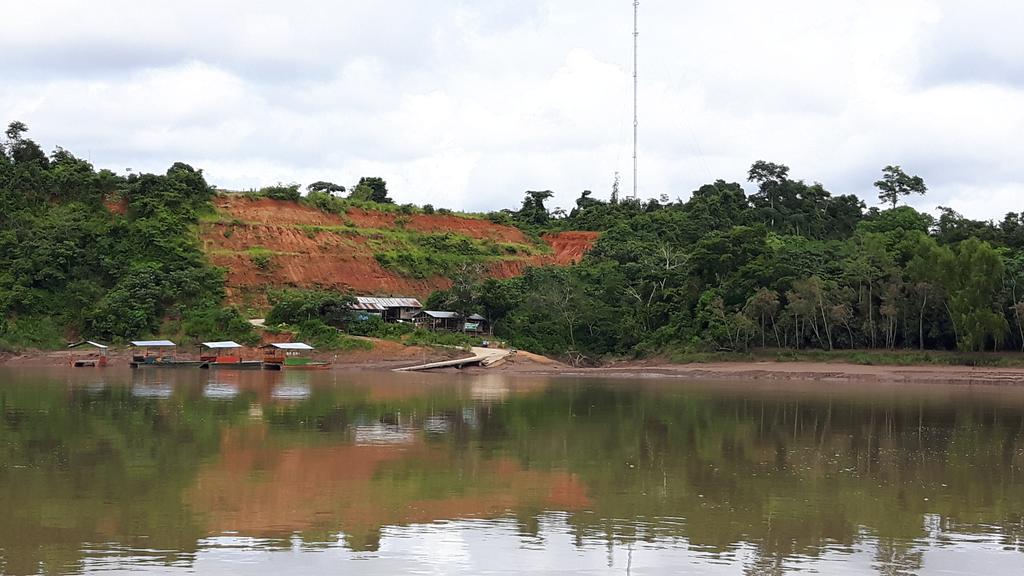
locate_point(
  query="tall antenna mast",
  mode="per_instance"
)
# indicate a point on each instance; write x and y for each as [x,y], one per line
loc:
[636,35]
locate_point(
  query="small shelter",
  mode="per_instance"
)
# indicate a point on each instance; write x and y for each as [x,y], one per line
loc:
[393,309]
[291,356]
[87,354]
[476,324]
[287,353]
[221,352]
[439,320]
[152,351]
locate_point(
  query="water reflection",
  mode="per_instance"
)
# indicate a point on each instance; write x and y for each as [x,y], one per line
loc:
[162,470]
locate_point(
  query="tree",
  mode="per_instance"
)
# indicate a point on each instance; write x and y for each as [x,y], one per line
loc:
[769,177]
[972,279]
[328,187]
[371,189]
[533,211]
[896,183]
[14,130]
[23,150]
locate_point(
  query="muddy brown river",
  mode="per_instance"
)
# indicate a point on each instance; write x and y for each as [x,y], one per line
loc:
[165,471]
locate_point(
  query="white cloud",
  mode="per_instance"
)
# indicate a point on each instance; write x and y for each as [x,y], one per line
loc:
[469,104]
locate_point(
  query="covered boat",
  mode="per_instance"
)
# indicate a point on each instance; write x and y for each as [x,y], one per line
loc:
[225,355]
[157,353]
[291,356]
[87,354]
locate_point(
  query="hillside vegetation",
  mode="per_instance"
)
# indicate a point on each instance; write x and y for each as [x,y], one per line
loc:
[265,244]
[789,266]
[87,253]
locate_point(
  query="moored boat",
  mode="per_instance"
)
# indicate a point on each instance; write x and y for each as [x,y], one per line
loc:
[95,355]
[288,356]
[158,354]
[225,356]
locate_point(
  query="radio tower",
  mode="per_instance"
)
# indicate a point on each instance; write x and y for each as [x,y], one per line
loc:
[636,35]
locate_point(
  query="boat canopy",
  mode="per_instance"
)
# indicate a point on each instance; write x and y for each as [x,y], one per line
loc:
[290,346]
[88,343]
[220,345]
[152,343]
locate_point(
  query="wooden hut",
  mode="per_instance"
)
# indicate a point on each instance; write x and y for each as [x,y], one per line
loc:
[476,324]
[439,320]
[87,354]
[391,309]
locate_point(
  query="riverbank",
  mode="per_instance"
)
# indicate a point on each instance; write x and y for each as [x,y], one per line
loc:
[384,355]
[388,355]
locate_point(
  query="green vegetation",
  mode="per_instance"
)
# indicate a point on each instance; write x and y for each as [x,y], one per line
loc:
[789,266]
[420,255]
[71,266]
[314,316]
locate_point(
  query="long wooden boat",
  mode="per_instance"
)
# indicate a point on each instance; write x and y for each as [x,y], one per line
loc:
[312,365]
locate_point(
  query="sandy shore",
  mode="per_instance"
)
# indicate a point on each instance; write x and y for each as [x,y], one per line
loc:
[388,355]
[803,371]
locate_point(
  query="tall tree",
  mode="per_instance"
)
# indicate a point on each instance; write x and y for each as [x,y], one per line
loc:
[371,189]
[328,187]
[896,183]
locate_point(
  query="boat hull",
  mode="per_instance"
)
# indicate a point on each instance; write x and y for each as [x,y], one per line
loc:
[173,364]
[291,367]
[243,365]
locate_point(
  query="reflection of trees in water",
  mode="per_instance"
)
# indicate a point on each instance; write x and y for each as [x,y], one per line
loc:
[99,464]
[790,476]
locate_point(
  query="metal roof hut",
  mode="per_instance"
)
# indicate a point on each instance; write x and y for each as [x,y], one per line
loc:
[439,320]
[87,354]
[152,351]
[394,309]
[476,324]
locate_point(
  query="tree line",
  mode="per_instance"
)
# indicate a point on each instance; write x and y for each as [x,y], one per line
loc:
[787,266]
[87,252]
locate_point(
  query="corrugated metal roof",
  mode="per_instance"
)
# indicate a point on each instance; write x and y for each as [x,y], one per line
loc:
[367,306]
[477,317]
[89,342]
[441,314]
[225,344]
[390,302]
[152,343]
[290,346]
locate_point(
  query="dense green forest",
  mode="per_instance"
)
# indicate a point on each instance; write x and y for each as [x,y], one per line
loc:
[788,266]
[69,265]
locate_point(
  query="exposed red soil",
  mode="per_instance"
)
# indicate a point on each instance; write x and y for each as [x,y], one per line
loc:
[569,247]
[341,260]
[116,205]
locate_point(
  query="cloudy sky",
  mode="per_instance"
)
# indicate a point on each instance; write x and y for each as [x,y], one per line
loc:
[467,104]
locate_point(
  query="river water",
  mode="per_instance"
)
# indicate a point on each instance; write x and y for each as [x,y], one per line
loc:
[185,471]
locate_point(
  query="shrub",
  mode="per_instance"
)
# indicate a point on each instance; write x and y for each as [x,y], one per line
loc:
[325,337]
[281,192]
[299,306]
